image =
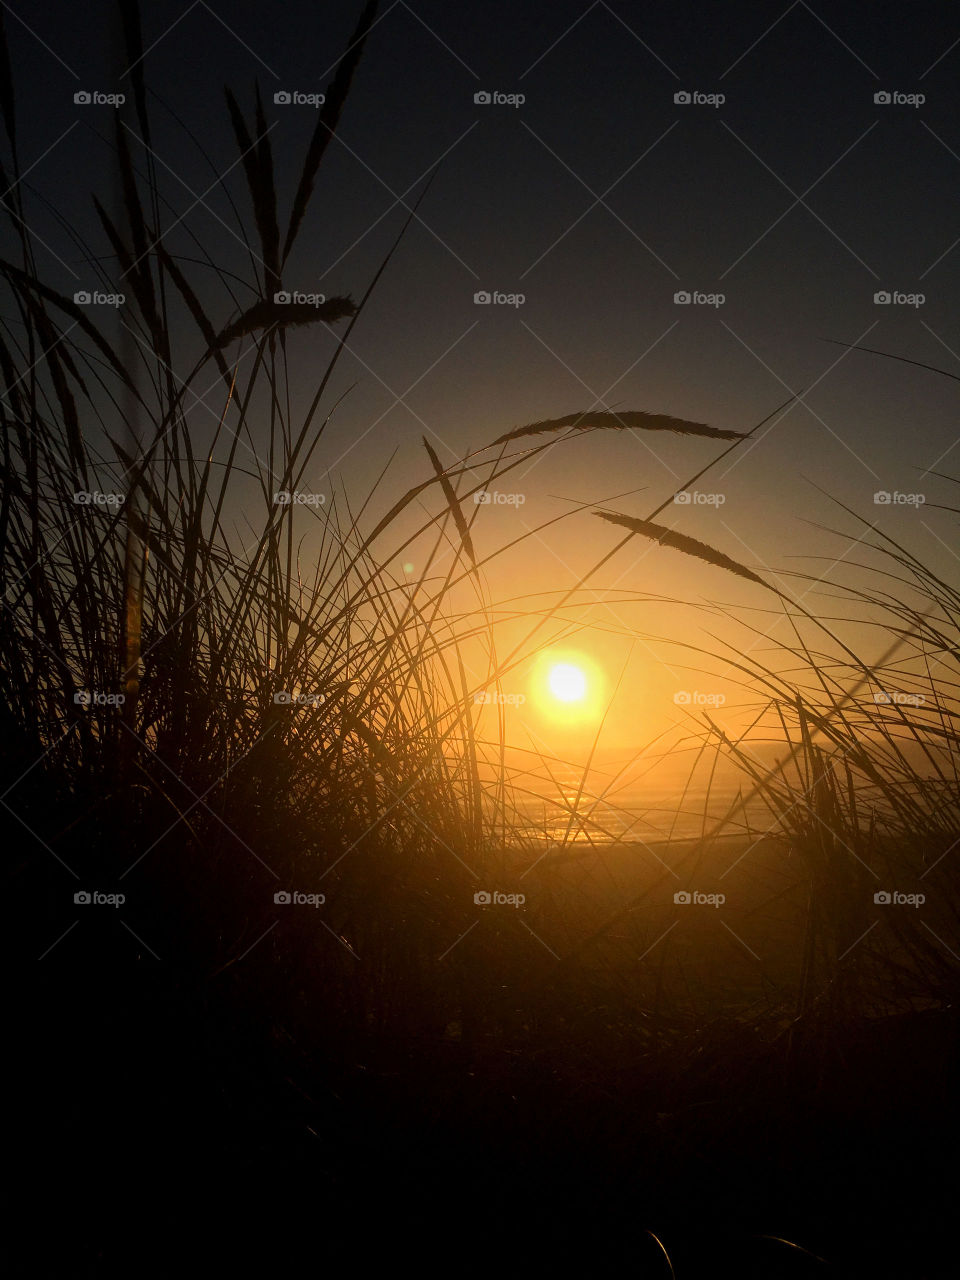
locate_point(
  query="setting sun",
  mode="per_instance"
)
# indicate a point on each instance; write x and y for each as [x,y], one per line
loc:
[567,682]
[567,688]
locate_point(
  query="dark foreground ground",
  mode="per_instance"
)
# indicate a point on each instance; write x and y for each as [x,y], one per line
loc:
[163,1125]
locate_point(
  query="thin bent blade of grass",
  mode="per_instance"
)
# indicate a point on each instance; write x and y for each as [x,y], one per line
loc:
[452,502]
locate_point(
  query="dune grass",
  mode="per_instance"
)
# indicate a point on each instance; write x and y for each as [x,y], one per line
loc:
[210,695]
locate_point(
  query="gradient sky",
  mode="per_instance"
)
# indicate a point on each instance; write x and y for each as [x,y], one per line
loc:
[598,198]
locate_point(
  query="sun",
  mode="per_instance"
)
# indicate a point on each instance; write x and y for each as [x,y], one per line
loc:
[566,688]
[567,682]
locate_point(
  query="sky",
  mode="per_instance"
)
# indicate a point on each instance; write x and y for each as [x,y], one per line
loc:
[783,197]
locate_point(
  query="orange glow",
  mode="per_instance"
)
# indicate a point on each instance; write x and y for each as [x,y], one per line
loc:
[567,687]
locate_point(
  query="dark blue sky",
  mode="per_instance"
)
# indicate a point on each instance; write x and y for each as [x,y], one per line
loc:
[598,199]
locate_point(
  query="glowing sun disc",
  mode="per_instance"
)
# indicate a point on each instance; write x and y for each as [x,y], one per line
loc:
[567,682]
